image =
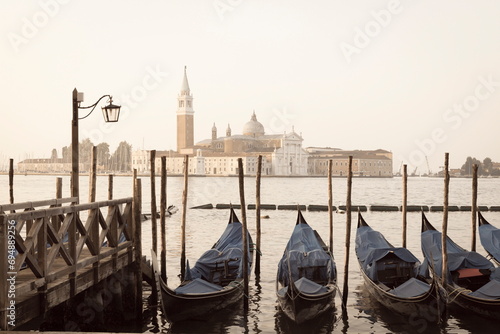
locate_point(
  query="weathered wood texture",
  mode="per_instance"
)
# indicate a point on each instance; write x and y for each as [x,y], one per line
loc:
[257,214]
[48,269]
[474,207]
[347,235]
[444,230]
[404,206]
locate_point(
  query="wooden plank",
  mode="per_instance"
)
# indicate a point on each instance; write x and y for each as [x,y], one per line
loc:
[112,222]
[35,204]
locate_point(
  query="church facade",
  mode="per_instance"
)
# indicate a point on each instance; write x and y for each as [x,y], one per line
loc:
[282,154]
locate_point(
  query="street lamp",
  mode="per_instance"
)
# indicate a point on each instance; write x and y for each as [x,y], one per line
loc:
[110,112]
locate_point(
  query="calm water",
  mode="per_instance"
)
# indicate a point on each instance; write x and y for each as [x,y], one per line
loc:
[205,226]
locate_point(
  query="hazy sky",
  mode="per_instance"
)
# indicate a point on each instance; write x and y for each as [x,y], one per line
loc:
[418,78]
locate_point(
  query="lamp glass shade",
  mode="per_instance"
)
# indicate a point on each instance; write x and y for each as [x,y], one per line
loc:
[111,113]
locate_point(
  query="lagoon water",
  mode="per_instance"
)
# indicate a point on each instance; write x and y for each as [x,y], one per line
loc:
[205,226]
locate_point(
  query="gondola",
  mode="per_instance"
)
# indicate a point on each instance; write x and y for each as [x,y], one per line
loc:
[306,278]
[471,282]
[215,281]
[391,275]
[490,238]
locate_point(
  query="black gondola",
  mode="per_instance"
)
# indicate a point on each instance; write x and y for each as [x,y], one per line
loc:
[490,238]
[471,282]
[215,281]
[306,279]
[391,275]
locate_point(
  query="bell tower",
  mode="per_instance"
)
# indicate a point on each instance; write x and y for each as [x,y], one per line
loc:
[185,117]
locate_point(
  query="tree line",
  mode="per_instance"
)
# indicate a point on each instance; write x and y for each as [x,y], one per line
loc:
[119,161]
[485,168]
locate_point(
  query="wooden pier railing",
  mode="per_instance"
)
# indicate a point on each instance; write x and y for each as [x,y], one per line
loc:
[48,254]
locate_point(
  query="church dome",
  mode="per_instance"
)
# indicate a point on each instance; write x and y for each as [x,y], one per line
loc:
[253,127]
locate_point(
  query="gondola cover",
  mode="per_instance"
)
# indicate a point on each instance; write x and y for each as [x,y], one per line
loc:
[458,258]
[305,251]
[371,247]
[226,254]
[490,237]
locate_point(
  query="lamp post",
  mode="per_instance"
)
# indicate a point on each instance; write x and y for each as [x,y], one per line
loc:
[110,113]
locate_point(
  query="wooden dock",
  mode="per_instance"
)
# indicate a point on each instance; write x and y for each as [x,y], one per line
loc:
[48,255]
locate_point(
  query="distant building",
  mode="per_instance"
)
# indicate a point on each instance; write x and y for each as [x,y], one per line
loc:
[185,118]
[364,163]
[282,154]
[45,166]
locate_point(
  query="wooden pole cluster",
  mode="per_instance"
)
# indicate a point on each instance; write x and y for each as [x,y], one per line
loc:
[474,206]
[183,221]
[347,235]
[244,228]
[444,271]
[330,203]
[405,202]
[163,210]
[257,214]
[154,229]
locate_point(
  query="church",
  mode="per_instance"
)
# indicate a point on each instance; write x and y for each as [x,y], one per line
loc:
[282,154]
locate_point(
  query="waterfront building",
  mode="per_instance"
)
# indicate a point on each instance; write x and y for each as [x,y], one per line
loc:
[282,154]
[364,163]
[56,165]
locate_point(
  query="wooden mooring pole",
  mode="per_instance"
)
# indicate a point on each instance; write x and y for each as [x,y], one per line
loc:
[154,229]
[110,186]
[137,203]
[257,214]
[94,230]
[183,221]
[405,203]
[244,229]
[56,221]
[444,233]
[330,204]
[345,291]
[93,174]
[11,181]
[474,206]
[163,209]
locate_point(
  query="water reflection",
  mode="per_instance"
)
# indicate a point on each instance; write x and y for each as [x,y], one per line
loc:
[382,319]
[254,307]
[473,323]
[323,324]
[218,322]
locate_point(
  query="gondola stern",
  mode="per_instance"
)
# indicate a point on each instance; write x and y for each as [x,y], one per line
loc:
[481,220]
[300,217]
[233,218]
[361,221]
[426,225]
